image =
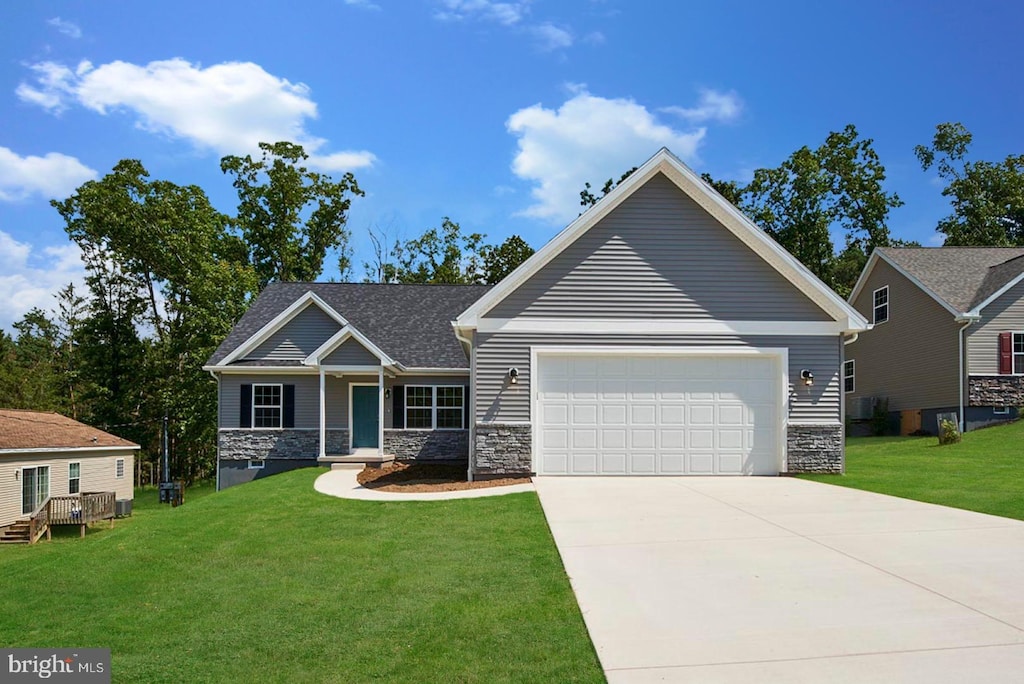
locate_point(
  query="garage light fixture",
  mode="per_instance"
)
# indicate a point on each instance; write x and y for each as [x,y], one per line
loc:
[807,376]
[513,376]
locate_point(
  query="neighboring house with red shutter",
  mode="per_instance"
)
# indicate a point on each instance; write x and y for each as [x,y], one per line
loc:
[947,336]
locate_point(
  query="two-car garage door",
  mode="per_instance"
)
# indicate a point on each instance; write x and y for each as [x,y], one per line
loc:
[657,414]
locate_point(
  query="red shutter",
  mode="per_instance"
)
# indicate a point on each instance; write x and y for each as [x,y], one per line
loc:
[1005,353]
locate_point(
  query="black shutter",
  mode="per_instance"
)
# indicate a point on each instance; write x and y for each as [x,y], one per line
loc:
[398,407]
[245,409]
[289,407]
[465,406]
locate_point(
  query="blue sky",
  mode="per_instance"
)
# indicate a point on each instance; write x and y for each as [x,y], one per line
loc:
[492,113]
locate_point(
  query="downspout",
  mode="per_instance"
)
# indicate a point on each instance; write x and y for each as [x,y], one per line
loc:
[471,399]
[216,470]
[963,421]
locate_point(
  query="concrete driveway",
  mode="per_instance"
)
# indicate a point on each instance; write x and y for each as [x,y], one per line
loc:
[783,580]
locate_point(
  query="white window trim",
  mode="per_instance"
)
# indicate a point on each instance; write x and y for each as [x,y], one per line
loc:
[251,465]
[119,465]
[21,480]
[852,376]
[252,408]
[1014,354]
[875,307]
[79,478]
[433,408]
[1000,410]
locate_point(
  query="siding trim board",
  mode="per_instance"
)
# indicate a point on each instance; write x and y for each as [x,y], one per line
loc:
[730,218]
[662,326]
[339,338]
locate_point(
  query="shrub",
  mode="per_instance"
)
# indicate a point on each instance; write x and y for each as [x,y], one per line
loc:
[949,432]
[880,418]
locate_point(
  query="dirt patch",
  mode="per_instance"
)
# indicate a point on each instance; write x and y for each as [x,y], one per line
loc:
[426,477]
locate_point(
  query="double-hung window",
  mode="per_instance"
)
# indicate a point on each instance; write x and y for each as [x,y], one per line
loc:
[848,376]
[1018,353]
[74,478]
[429,407]
[880,300]
[267,406]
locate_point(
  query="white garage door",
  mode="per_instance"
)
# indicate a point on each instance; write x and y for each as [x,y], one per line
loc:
[613,414]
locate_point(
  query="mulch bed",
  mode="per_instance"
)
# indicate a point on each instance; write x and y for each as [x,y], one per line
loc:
[426,477]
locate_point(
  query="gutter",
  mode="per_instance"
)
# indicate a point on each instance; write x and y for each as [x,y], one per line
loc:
[967,319]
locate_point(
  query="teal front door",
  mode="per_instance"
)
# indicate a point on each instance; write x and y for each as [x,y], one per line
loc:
[364,416]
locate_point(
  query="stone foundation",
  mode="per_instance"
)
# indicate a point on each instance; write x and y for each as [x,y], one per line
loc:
[996,390]
[427,445]
[237,445]
[502,448]
[815,448]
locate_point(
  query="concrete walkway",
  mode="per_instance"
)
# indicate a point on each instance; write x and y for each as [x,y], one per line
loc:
[341,482]
[784,580]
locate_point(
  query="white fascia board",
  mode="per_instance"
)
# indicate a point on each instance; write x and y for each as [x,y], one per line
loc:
[434,371]
[262,370]
[975,313]
[720,208]
[279,321]
[54,450]
[912,278]
[648,326]
[863,278]
[339,338]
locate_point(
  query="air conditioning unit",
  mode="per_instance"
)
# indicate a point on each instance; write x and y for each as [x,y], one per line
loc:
[860,408]
[123,508]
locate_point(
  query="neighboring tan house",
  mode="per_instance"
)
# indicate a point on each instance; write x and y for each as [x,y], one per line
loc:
[46,455]
[661,333]
[947,337]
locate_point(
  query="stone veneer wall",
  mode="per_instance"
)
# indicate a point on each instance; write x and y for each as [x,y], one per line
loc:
[815,449]
[274,444]
[427,445]
[502,448]
[996,390]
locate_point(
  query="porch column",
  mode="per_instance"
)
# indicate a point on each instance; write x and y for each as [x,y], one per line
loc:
[323,415]
[380,411]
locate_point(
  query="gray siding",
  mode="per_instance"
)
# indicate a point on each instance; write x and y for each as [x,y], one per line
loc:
[351,353]
[913,357]
[498,401]
[299,338]
[307,395]
[659,255]
[1005,314]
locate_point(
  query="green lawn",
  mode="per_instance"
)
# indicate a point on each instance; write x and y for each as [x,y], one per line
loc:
[272,582]
[985,472]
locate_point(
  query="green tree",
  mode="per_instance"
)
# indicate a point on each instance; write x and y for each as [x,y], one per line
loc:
[290,217]
[987,197]
[38,381]
[588,199]
[500,260]
[444,255]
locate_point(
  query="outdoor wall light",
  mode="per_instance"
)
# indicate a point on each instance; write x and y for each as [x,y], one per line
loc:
[387,393]
[807,376]
[513,376]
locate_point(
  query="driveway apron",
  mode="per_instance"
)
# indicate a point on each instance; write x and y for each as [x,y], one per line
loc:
[745,579]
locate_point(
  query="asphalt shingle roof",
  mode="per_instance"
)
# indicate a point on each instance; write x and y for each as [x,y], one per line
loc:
[410,323]
[962,276]
[37,430]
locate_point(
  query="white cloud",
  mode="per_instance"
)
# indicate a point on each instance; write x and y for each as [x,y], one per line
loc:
[54,175]
[504,13]
[30,278]
[228,107]
[594,38]
[712,106]
[68,28]
[550,37]
[363,4]
[588,138]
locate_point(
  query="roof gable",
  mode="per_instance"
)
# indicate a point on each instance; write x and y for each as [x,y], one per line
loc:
[962,279]
[724,213]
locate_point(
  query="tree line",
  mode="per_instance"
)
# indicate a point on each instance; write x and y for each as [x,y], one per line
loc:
[167,275]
